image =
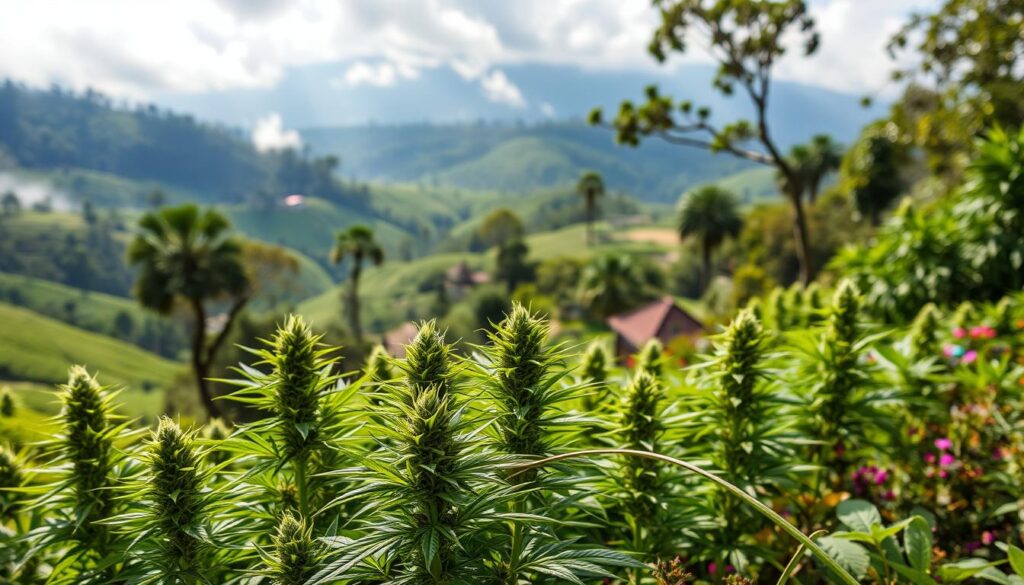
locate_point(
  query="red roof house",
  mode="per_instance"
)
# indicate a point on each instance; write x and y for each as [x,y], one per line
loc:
[662,319]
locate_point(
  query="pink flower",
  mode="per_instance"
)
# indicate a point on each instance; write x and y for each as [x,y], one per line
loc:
[889,496]
[882,476]
[970,356]
[944,474]
[997,453]
[712,567]
[947,460]
[959,333]
[943,444]
[988,537]
[929,458]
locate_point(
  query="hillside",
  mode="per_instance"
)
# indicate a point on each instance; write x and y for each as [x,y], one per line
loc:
[517,157]
[39,349]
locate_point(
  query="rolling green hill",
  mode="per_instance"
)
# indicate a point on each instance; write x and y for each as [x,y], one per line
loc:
[518,158]
[40,349]
[93,311]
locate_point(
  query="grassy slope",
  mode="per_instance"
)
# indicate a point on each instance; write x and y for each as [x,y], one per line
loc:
[38,349]
[94,311]
[390,292]
[310,228]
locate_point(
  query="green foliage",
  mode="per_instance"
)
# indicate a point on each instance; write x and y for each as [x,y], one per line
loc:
[965,77]
[872,171]
[356,242]
[651,358]
[518,367]
[12,476]
[924,333]
[964,247]
[7,407]
[740,429]
[378,365]
[176,512]
[294,555]
[303,403]
[612,284]
[711,215]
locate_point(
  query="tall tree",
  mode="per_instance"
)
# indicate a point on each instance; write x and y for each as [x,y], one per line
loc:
[965,76]
[10,204]
[814,161]
[711,214]
[590,187]
[871,171]
[746,38]
[500,227]
[186,255]
[612,284]
[356,242]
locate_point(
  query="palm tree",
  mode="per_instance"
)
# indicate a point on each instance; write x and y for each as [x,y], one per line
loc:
[356,242]
[590,187]
[811,163]
[871,172]
[710,214]
[187,256]
[825,157]
[612,284]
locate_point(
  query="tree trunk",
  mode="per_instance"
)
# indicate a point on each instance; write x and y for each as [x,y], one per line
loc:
[801,238]
[705,265]
[200,365]
[353,303]
[590,221]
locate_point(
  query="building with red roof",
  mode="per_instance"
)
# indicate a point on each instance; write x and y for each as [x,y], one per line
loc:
[663,319]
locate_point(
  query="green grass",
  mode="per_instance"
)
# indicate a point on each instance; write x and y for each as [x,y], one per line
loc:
[38,349]
[310,228]
[391,293]
[93,310]
[751,186]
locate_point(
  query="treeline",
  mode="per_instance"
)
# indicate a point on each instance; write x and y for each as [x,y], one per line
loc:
[58,128]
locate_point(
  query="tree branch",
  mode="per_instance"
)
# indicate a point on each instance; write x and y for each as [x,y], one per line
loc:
[236,308]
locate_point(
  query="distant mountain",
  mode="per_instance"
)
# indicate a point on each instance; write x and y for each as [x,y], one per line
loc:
[518,158]
[318,96]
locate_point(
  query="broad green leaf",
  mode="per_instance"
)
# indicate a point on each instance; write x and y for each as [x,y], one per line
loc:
[1016,560]
[963,570]
[858,515]
[918,543]
[849,555]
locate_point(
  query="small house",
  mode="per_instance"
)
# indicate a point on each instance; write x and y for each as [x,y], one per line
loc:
[663,319]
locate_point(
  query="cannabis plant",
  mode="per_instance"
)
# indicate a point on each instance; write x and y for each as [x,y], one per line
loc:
[303,400]
[294,553]
[840,389]
[85,465]
[6,402]
[742,429]
[179,526]
[651,358]
[11,478]
[593,371]
[378,365]
[924,334]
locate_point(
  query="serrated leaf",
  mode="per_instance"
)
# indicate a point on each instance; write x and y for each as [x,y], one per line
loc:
[918,543]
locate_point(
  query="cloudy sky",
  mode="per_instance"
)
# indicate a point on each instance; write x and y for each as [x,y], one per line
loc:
[141,50]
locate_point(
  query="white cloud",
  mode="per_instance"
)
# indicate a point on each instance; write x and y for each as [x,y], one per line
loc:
[499,89]
[136,49]
[547,109]
[269,134]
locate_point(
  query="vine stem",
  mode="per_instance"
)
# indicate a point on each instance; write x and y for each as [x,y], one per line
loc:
[781,522]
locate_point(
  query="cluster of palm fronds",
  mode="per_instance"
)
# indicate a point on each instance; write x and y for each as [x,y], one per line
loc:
[436,468]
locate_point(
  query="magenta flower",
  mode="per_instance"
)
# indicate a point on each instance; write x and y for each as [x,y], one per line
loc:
[970,356]
[947,460]
[959,333]
[929,458]
[988,537]
[882,476]
[943,444]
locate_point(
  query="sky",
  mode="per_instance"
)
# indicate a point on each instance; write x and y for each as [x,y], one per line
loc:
[185,51]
